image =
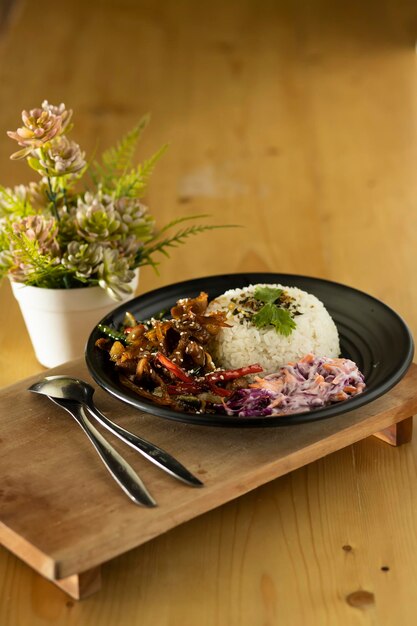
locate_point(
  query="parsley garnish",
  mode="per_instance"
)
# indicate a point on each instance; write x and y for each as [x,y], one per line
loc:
[267,294]
[271,314]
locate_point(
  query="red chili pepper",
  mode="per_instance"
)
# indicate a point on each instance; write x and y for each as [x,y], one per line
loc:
[184,388]
[219,391]
[174,368]
[225,375]
[195,389]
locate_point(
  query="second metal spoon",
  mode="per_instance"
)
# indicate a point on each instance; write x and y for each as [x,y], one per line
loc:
[119,469]
[76,390]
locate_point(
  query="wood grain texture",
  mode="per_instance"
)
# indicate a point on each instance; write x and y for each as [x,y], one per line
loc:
[298,120]
[47,522]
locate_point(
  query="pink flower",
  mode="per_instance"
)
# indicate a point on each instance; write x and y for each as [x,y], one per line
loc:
[40,126]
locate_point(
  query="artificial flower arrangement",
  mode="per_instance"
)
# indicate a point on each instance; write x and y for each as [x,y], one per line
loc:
[65,232]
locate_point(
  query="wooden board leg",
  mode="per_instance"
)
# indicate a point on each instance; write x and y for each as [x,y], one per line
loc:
[397,434]
[80,586]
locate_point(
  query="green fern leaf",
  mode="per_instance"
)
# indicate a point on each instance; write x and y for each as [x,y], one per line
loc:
[42,270]
[145,255]
[133,184]
[116,161]
[115,173]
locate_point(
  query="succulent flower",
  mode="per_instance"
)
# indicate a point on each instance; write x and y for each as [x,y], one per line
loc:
[13,200]
[128,247]
[61,157]
[19,192]
[40,126]
[134,218]
[83,258]
[33,243]
[96,219]
[58,110]
[114,274]
[40,229]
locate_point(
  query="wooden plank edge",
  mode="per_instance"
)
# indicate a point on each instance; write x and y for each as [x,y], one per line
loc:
[67,566]
[27,552]
[78,586]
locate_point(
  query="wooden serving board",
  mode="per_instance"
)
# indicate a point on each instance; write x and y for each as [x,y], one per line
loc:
[63,515]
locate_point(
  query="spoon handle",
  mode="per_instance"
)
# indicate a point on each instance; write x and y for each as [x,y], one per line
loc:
[119,469]
[152,452]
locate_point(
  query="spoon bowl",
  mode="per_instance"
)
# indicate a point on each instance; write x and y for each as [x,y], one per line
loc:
[69,389]
[64,388]
[116,465]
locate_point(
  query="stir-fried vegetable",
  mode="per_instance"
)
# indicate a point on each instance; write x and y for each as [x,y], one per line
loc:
[169,360]
[112,333]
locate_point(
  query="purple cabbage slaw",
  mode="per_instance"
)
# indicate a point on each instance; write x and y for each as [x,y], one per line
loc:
[312,383]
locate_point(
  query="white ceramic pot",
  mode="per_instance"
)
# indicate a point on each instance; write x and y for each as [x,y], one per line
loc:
[59,321]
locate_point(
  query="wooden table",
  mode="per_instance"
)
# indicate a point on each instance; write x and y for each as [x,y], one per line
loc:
[299,122]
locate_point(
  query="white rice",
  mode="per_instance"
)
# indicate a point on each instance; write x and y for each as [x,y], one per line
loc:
[244,344]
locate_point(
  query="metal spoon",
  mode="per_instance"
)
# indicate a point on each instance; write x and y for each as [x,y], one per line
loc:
[78,391]
[119,469]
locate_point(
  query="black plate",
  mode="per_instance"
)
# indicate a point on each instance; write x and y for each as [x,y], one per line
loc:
[371,334]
